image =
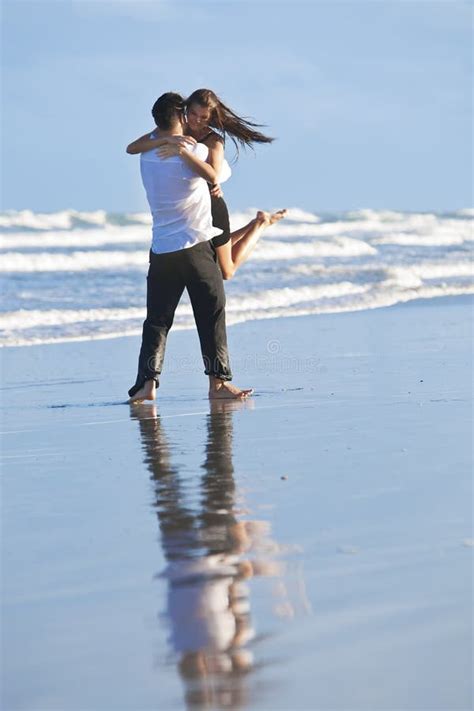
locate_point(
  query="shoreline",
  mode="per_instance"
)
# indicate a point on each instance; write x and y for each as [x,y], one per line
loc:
[434,301]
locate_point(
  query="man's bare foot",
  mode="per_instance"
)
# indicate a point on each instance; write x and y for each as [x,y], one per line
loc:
[147,392]
[223,389]
[269,218]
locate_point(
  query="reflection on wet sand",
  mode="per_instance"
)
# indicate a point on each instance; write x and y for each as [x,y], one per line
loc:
[210,553]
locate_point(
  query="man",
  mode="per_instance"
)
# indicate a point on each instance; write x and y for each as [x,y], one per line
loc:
[180,257]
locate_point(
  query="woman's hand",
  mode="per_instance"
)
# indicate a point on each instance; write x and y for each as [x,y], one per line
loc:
[180,148]
[174,145]
[170,149]
[182,140]
[174,142]
[216,190]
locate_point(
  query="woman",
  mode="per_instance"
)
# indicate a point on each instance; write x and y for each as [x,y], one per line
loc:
[210,121]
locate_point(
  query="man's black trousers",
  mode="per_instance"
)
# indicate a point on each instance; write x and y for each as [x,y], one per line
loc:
[195,269]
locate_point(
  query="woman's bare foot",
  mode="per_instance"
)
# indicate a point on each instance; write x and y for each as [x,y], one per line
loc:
[147,392]
[220,389]
[269,218]
[277,216]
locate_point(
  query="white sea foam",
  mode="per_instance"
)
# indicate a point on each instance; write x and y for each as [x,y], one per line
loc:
[85,261]
[75,239]
[29,318]
[437,239]
[67,219]
[294,215]
[81,275]
[73,262]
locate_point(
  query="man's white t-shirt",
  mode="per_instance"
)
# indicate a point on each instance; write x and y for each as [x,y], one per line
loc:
[179,201]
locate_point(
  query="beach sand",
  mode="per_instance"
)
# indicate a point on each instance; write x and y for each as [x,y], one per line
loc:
[308,549]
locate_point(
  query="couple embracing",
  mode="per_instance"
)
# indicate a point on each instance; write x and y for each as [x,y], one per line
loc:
[182,166]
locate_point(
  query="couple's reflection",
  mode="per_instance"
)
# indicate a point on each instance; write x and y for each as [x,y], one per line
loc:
[210,552]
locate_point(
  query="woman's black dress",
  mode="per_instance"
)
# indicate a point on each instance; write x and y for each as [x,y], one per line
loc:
[220,213]
[220,219]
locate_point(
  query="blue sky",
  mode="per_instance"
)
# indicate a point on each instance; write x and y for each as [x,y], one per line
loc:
[370,100]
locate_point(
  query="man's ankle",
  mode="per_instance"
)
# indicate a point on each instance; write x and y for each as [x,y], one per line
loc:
[215,383]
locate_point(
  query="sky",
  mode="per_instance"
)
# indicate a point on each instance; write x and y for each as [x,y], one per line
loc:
[370,100]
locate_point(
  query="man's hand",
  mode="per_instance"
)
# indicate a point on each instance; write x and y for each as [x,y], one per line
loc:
[216,190]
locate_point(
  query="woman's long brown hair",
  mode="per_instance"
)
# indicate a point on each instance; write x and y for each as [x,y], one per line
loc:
[227,122]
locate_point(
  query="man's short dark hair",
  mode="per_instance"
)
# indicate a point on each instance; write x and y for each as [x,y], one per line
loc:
[167,109]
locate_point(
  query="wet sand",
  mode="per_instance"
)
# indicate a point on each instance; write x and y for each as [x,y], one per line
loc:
[308,549]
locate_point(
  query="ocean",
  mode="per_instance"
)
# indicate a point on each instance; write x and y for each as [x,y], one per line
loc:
[75,275]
